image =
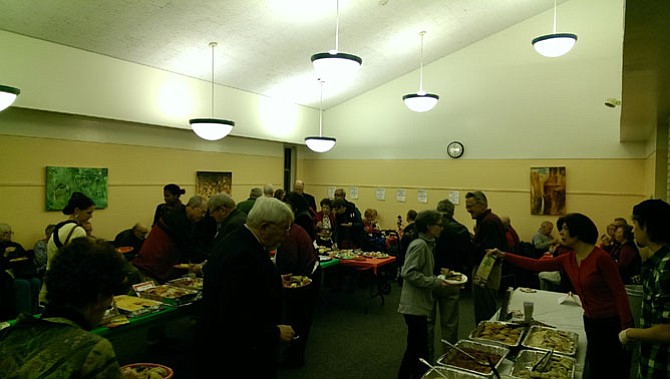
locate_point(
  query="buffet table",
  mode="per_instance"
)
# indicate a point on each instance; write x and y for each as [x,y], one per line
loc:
[548,311]
[379,285]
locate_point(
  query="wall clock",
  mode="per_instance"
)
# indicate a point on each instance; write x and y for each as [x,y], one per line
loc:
[455,149]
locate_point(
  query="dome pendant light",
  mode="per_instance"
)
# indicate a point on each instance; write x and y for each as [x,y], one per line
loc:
[211,129]
[320,144]
[334,65]
[421,101]
[7,96]
[556,44]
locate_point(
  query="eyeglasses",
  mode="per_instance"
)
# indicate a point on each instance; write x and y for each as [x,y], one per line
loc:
[281,226]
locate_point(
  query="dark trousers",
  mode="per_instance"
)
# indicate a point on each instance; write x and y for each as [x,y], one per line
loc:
[605,355]
[417,347]
[485,302]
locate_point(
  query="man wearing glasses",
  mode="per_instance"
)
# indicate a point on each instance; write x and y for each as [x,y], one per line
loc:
[242,297]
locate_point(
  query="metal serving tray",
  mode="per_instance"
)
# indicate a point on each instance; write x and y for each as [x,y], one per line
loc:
[133,306]
[450,373]
[449,358]
[170,295]
[187,282]
[560,366]
[534,341]
[477,333]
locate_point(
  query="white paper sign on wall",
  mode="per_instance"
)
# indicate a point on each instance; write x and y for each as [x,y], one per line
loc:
[353,193]
[400,195]
[331,192]
[453,197]
[380,193]
[422,196]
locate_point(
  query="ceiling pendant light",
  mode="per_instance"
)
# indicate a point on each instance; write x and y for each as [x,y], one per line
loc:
[334,65]
[555,44]
[211,128]
[320,144]
[421,101]
[7,96]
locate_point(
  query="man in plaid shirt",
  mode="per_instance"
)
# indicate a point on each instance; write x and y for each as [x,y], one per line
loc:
[651,219]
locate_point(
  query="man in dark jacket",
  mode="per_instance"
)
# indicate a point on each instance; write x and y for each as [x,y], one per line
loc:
[228,218]
[242,298]
[453,251]
[489,234]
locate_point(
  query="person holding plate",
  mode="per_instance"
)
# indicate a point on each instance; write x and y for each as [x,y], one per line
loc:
[416,296]
[453,253]
[242,309]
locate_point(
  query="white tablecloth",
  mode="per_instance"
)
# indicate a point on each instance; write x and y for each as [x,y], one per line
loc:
[567,317]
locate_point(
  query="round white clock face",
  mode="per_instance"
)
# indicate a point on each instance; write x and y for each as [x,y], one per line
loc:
[455,149]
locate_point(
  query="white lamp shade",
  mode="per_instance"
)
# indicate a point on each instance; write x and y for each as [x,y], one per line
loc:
[211,128]
[332,67]
[554,45]
[420,102]
[320,144]
[7,96]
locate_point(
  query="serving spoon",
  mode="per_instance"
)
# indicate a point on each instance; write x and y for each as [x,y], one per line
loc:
[433,368]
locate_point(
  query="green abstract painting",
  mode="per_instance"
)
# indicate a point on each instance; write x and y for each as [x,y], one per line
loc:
[63,181]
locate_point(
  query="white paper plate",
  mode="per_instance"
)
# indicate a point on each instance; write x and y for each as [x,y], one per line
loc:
[464,279]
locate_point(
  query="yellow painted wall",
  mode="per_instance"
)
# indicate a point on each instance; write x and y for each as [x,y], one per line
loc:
[600,188]
[136,177]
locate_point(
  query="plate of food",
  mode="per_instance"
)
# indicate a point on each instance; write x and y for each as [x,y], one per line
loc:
[149,370]
[453,277]
[297,281]
[124,249]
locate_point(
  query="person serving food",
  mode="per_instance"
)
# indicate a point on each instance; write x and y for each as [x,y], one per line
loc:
[595,277]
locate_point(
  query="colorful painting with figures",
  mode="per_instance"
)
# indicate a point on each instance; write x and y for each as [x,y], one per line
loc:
[209,183]
[547,191]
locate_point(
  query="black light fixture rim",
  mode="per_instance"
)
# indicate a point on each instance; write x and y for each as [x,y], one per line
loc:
[413,95]
[10,89]
[321,138]
[211,121]
[341,55]
[554,35]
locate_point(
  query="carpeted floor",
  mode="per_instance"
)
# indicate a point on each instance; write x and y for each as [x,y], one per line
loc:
[348,343]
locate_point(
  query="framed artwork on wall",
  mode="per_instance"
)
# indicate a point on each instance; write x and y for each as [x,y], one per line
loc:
[208,183]
[63,181]
[547,191]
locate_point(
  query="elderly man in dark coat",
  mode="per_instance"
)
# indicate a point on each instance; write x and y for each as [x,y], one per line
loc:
[242,298]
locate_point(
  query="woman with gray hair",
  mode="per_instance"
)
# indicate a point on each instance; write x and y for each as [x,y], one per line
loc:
[416,297]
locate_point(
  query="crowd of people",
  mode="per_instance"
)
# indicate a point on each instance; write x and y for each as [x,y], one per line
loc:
[245,251]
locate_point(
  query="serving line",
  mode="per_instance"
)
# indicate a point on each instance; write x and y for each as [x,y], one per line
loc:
[548,310]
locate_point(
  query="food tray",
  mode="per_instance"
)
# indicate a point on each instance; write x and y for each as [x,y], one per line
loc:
[143,369]
[450,373]
[560,366]
[133,306]
[187,282]
[541,338]
[453,358]
[170,295]
[503,333]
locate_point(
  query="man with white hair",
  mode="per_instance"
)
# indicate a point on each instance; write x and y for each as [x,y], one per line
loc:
[242,297]
[268,190]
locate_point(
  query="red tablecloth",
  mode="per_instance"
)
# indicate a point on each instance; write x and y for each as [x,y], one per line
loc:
[367,263]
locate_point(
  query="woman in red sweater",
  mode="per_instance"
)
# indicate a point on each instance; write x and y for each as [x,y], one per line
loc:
[595,278]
